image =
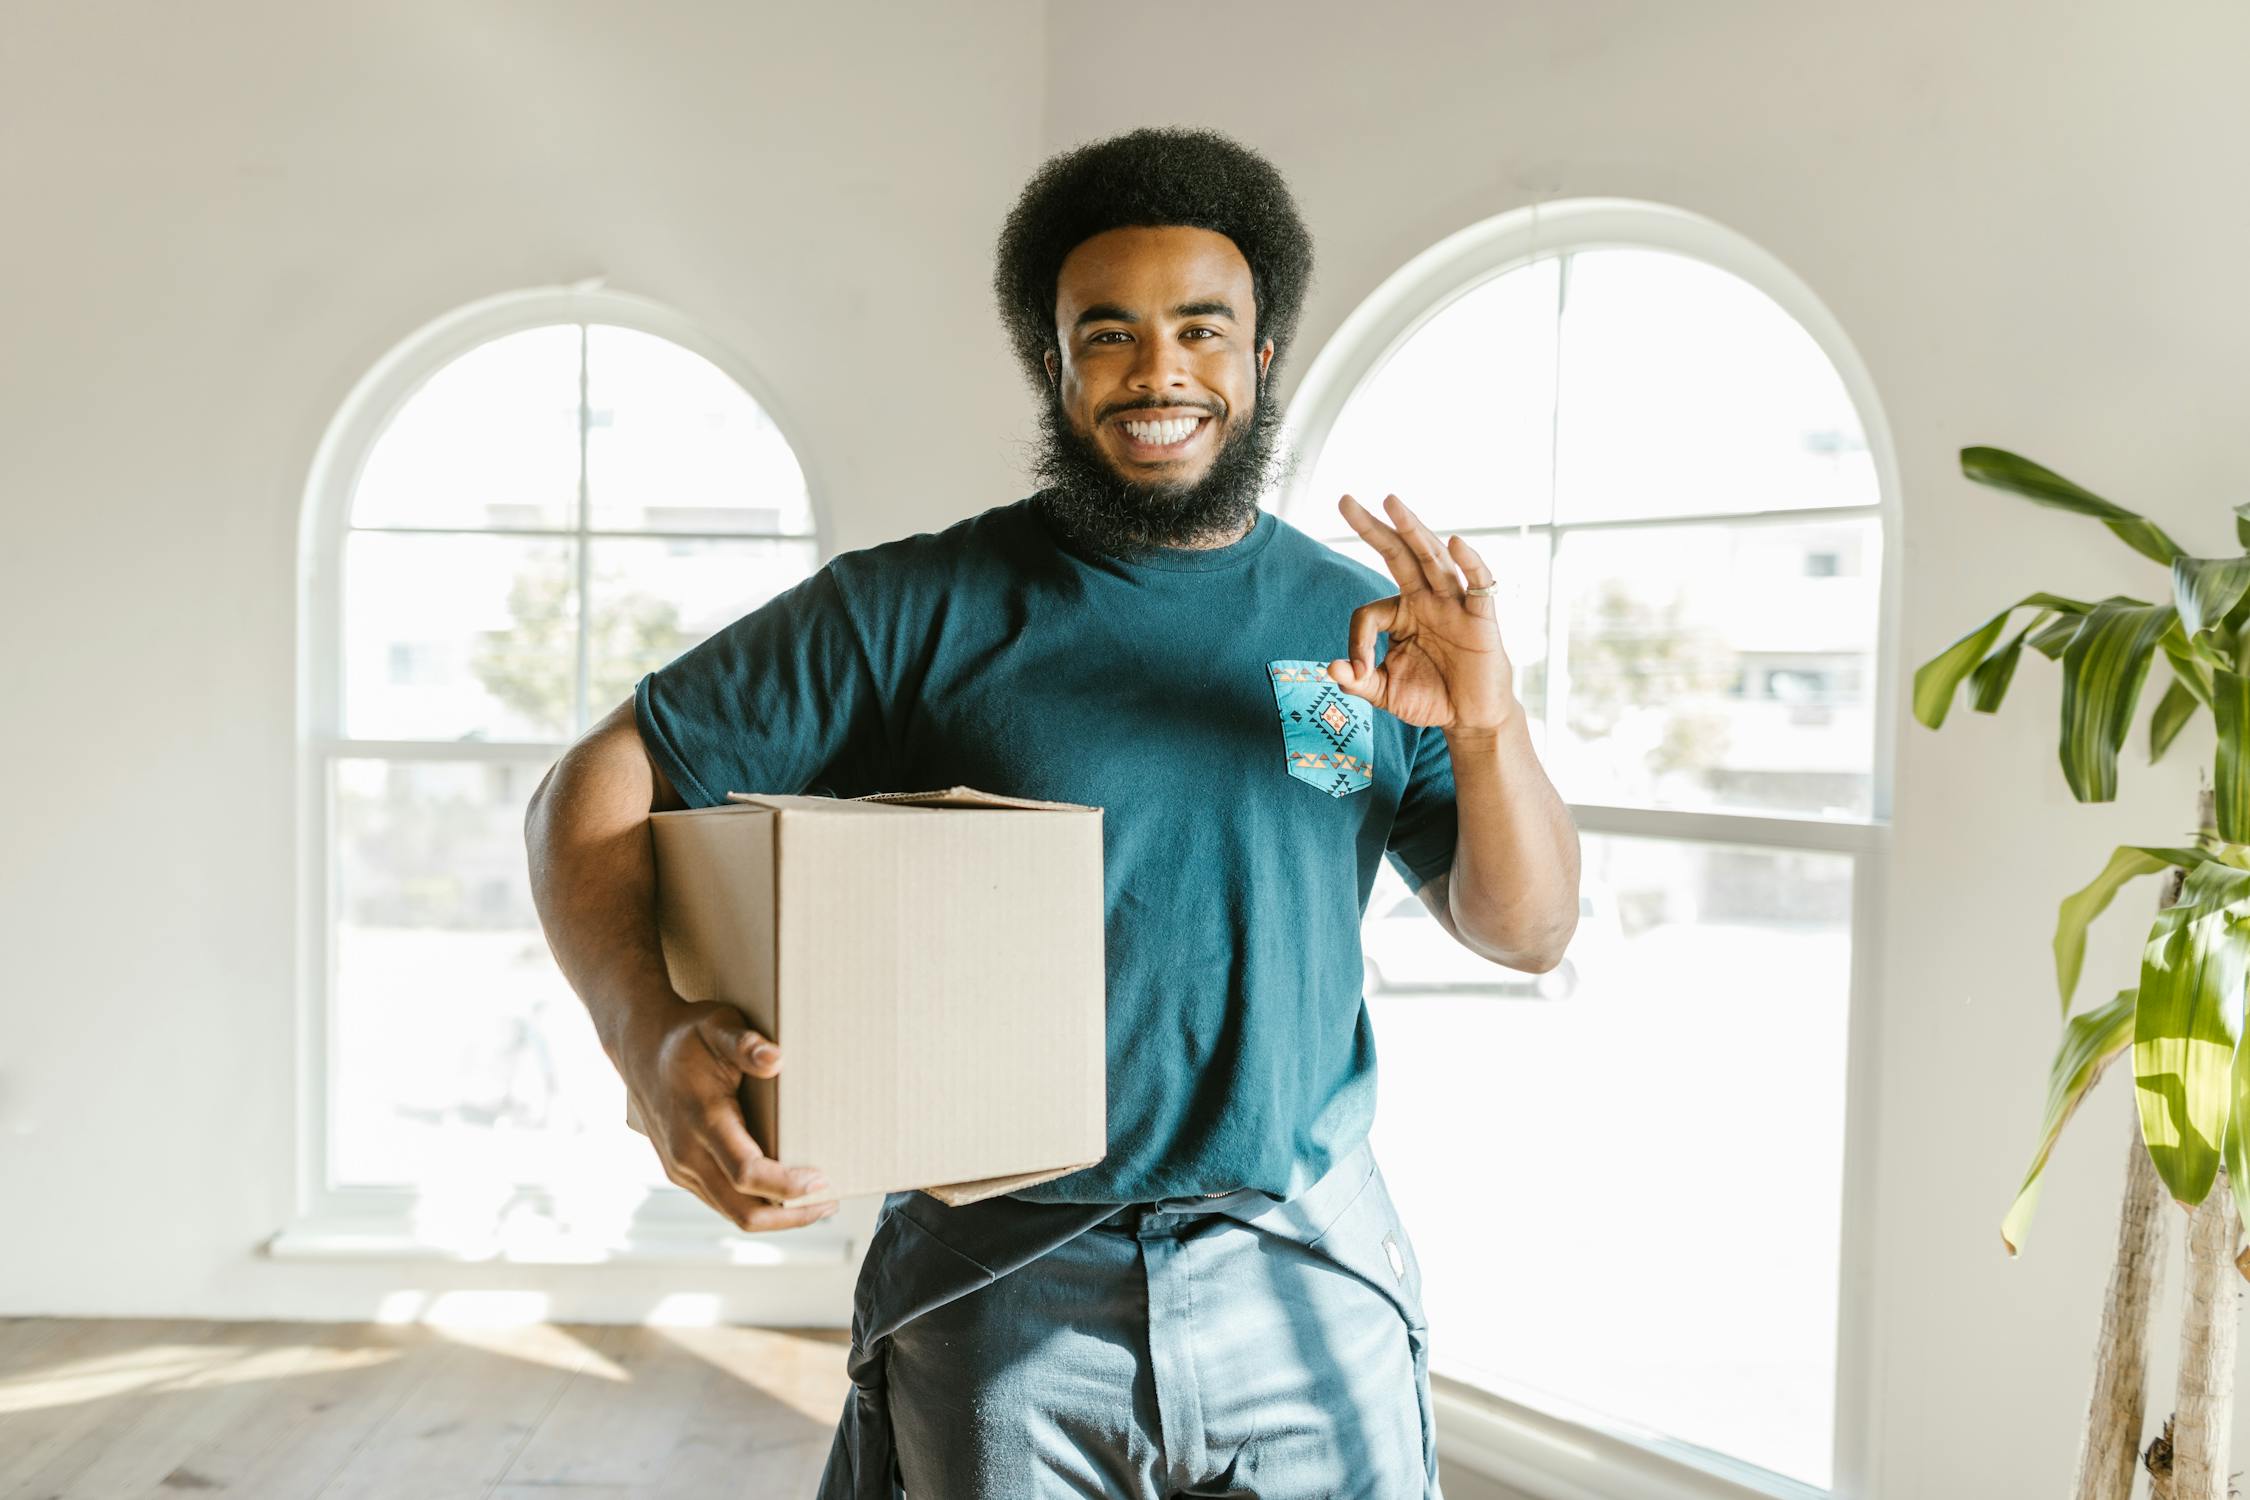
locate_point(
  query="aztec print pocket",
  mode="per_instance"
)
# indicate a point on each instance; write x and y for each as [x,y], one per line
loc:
[1327,735]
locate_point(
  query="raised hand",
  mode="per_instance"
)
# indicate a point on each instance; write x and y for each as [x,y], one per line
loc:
[1446,667]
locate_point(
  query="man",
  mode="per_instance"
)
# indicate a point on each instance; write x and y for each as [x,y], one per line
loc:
[1227,1302]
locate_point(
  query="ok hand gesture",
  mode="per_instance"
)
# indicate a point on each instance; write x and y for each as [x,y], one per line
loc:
[1446,667]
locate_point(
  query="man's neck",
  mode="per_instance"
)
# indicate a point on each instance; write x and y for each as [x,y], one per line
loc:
[1205,544]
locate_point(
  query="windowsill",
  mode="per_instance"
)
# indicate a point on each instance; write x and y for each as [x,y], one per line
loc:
[1548,1457]
[364,1239]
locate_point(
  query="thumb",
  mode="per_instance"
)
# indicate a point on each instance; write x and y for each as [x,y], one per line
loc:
[1368,684]
[729,1034]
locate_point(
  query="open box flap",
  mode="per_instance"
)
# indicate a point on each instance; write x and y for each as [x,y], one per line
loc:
[952,796]
[969,796]
[954,1194]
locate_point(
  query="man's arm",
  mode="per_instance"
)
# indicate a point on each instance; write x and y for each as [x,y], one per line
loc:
[593,879]
[1512,893]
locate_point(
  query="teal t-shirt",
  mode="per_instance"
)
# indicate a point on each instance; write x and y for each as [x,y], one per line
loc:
[1246,799]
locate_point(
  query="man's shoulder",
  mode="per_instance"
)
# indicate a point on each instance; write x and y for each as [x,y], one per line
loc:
[888,573]
[1323,568]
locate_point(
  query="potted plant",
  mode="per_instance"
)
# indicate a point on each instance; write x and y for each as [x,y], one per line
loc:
[2181,1020]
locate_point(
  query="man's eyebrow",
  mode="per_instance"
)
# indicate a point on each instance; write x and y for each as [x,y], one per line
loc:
[1110,312]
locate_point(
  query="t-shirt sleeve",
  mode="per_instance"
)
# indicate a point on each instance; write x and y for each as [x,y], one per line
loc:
[782,700]
[1423,834]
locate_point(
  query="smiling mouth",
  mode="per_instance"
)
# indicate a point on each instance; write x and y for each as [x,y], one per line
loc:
[1155,441]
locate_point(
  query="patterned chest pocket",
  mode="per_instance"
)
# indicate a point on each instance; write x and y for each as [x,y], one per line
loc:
[1327,735]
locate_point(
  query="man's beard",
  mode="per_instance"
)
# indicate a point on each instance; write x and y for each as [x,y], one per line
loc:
[1103,510]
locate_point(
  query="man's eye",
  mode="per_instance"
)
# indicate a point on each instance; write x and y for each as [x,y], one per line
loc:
[1105,333]
[1211,331]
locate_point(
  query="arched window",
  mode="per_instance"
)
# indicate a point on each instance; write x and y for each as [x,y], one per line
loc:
[518,512]
[1628,1176]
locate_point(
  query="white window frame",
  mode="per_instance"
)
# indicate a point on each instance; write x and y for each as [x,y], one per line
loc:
[330,1222]
[1545,1453]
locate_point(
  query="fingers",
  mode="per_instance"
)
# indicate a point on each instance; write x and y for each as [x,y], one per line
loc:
[764,1216]
[1360,674]
[708,1148]
[739,1162]
[1437,568]
[731,1038]
[752,1215]
[1397,556]
[1473,568]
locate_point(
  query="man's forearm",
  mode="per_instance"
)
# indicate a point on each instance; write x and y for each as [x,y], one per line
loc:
[593,880]
[1513,889]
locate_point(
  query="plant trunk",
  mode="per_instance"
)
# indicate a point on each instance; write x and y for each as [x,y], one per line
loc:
[2189,1460]
[2203,1418]
[2113,1418]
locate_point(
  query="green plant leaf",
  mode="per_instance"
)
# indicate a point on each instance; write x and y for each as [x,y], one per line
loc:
[2103,668]
[2238,1160]
[2190,660]
[2206,589]
[1935,679]
[2019,475]
[2173,710]
[2242,523]
[1988,680]
[2053,639]
[2050,641]
[2088,1044]
[2237,855]
[2188,1024]
[2230,708]
[2126,863]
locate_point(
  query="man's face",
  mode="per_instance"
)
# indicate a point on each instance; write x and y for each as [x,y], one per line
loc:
[1157,433]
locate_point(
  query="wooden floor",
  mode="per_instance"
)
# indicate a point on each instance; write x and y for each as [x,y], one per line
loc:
[100,1409]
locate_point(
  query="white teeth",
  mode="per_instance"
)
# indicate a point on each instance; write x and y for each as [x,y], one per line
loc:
[1163,434]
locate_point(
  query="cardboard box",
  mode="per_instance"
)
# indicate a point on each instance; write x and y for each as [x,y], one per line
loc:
[931,965]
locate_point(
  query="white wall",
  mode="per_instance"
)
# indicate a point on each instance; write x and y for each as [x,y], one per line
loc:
[217,217]
[2030,220]
[2029,217]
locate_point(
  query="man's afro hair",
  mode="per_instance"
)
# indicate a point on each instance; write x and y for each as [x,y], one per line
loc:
[1156,176]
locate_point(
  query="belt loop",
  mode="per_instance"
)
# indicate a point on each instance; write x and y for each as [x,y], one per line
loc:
[1127,1219]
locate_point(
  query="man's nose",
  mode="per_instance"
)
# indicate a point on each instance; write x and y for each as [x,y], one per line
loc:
[1158,364]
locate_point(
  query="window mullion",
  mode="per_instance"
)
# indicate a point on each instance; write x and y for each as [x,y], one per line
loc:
[583,689]
[1554,461]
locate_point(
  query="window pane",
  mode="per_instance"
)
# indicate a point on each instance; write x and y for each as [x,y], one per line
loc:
[1684,389]
[459,637]
[463,1057]
[651,599]
[1519,564]
[673,444]
[1718,666]
[1657,1159]
[489,440]
[1458,422]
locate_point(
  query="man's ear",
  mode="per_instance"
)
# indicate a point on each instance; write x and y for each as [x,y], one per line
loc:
[1049,357]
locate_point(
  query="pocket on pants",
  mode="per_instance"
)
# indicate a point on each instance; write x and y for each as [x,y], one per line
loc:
[1398,1254]
[1369,1240]
[907,1272]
